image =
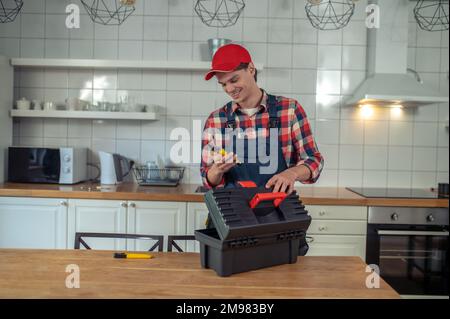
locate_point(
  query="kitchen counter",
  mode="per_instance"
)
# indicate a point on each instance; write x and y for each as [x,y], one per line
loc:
[178,275]
[187,193]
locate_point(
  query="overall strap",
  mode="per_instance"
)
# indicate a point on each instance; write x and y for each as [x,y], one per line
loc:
[272,105]
[231,122]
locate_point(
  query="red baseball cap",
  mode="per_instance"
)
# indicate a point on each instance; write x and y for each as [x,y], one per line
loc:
[227,58]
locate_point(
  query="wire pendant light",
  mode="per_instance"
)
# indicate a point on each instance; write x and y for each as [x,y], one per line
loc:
[219,13]
[432,15]
[109,12]
[9,9]
[329,14]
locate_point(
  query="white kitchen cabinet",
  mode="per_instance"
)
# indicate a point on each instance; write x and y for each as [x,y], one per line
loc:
[337,230]
[197,213]
[155,218]
[330,245]
[97,216]
[35,223]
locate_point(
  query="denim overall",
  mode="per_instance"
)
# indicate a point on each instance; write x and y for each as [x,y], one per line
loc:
[249,170]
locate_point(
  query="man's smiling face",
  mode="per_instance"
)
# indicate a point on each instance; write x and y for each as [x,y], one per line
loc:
[238,84]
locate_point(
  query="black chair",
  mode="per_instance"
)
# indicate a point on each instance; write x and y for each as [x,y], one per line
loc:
[171,241]
[79,239]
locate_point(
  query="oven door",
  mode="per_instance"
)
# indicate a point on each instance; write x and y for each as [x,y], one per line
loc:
[412,259]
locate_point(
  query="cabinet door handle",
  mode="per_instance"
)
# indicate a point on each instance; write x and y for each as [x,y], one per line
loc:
[133,205]
[322,228]
[63,203]
[321,213]
[123,204]
[309,239]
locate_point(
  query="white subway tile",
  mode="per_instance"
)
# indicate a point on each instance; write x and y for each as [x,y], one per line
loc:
[55,26]
[280,30]
[180,51]
[32,48]
[154,130]
[130,50]
[35,6]
[424,159]
[281,9]
[376,132]
[179,103]
[256,8]
[327,132]
[104,79]
[442,158]
[129,79]
[129,129]
[56,78]
[425,134]
[177,80]
[181,8]
[106,49]
[351,157]
[428,59]
[233,32]
[255,30]
[180,28]
[129,148]
[33,26]
[328,107]
[81,79]
[397,179]
[102,144]
[354,58]
[155,50]
[423,179]
[400,158]
[305,56]
[304,32]
[106,32]
[400,133]
[280,56]
[441,177]
[81,49]
[329,57]
[202,32]
[156,7]
[375,157]
[80,128]
[56,48]
[352,132]
[351,80]
[32,78]
[355,33]
[132,28]
[55,128]
[330,154]
[374,179]
[104,129]
[412,34]
[58,96]
[203,103]
[328,178]
[350,178]
[279,80]
[330,37]
[428,39]
[328,82]
[85,31]
[10,47]
[31,141]
[31,127]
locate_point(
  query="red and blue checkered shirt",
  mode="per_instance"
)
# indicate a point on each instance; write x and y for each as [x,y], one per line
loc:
[297,142]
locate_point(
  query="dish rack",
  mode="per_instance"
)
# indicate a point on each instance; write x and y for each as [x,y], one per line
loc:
[168,176]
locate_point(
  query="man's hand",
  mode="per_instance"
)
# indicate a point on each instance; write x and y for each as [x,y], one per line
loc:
[222,164]
[283,182]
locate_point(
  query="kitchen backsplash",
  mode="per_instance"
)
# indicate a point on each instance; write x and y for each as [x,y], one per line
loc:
[395,148]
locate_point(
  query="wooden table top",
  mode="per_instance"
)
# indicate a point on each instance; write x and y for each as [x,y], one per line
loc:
[42,274]
[186,193]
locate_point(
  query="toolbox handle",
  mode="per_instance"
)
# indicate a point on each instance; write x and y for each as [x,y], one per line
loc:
[261,197]
[246,184]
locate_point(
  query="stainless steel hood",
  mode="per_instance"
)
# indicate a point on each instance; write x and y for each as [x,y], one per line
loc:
[388,82]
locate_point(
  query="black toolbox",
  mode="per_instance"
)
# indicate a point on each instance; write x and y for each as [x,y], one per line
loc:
[250,228]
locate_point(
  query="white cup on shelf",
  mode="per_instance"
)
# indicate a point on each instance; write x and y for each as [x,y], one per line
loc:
[23,104]
[49,106]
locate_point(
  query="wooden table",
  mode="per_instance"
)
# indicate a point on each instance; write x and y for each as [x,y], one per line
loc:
[42,274]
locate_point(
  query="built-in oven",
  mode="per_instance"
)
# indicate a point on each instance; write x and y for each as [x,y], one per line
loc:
[410,248]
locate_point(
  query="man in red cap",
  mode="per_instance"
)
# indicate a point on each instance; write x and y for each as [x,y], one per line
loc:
[258,122]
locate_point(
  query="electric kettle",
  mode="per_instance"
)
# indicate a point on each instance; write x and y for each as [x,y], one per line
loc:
[111,168]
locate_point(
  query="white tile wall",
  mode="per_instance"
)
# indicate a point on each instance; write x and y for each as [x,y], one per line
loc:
[318,68]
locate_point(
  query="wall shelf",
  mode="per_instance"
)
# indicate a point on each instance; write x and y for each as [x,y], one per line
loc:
[115,64]
[144,116]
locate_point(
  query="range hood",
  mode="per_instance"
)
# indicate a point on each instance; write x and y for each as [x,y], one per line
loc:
[388,82]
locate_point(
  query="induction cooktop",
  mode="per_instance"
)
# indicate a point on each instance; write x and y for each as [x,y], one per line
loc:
[373,192]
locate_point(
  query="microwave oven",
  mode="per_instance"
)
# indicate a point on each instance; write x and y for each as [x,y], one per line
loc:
[66,165]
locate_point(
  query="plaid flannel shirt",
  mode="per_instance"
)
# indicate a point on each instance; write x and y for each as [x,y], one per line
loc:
[297,142]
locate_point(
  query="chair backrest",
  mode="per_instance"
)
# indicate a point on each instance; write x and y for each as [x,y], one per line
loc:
[171,241]
[80,235]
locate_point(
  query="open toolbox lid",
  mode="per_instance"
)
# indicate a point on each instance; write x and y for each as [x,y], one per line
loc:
[247,210]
